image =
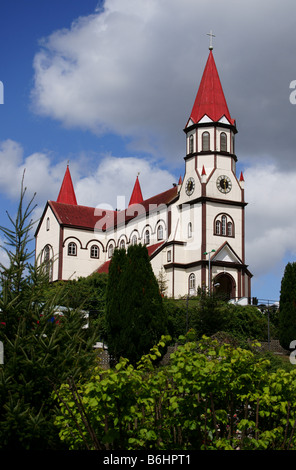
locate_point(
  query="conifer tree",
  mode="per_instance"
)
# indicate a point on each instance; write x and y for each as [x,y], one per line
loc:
[136,318]
[39,352]
[287,310]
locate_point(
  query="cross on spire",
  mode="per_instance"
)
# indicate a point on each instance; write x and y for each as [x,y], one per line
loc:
[211,39]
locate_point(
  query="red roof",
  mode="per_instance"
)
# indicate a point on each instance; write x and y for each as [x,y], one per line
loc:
[67,193]
[101,219]
[82,216]
[136,197]
[210,99]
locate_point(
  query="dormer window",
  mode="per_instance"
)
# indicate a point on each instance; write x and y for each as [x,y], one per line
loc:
[205,141]
[223,142]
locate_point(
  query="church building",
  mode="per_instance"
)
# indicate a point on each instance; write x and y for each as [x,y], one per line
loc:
[194,231]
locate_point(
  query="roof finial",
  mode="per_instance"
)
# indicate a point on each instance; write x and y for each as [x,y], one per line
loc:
[211,39]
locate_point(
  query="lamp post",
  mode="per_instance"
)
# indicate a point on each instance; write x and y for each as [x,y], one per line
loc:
[209,253]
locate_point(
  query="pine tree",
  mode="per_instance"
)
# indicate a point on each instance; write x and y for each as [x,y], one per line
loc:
[136,318]
[287,310]
[39,351]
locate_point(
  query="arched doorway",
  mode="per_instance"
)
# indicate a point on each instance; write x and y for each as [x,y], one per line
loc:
[224,286]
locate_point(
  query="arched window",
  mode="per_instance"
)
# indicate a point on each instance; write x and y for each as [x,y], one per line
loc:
[191,143]
[110,251]
[191,284]
[47,261]
[224,225]
[189,230]
[122,244]
[223,142]
[134,240]
[94,251]
[147,237]
[205,141]
[72,249]
[160,232]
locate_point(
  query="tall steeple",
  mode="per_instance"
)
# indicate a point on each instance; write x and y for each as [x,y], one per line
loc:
[67,193]
[136,197]
[210,100]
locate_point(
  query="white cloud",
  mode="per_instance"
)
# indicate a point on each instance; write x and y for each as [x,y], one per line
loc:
[113,182]
[134,66]
[270,220]
[40,175]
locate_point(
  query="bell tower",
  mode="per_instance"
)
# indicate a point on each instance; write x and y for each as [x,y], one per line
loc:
[211,185]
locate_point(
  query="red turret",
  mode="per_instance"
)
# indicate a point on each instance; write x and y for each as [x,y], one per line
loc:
[67,193]
[136,197]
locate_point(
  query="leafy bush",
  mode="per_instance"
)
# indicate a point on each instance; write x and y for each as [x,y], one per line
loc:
[208,397]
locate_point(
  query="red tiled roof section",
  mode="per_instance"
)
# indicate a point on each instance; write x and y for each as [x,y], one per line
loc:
[101,219]
[165,198]
[82,216]
[210,99]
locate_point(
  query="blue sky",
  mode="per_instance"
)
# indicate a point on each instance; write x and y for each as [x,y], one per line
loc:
[108,86]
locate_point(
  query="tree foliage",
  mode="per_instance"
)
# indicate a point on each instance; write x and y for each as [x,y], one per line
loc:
[209,397]
[134,314]
[287,317]
[41,348]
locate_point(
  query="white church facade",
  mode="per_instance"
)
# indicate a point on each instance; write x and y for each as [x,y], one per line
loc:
[194,231]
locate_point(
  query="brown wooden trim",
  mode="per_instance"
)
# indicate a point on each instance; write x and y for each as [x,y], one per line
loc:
[204,199]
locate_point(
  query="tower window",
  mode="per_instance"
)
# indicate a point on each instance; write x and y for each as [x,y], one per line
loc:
[147,237]
[191,143]
[205,141]
[47,224]
[223,142]
[189,230]
[94,251]
[224,226]
[72,249]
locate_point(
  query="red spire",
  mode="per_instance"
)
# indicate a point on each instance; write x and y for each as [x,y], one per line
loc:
[241,178]
[180,180]
[210,99]
[67,194]
[136,197]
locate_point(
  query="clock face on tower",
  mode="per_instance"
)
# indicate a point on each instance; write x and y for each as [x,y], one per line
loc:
[224,184]
[190,185]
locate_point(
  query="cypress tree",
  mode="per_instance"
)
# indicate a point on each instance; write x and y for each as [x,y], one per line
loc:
[287,311]
[138,318]
[115,321]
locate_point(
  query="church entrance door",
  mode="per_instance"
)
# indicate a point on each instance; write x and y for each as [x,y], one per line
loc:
[224,286]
